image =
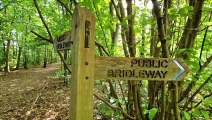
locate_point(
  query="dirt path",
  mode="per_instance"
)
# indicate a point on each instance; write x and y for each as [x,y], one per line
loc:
[33,94]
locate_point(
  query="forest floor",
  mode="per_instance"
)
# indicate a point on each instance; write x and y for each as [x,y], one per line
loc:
[33,94]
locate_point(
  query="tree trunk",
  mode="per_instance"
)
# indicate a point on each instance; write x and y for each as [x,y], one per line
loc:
[38,56]
[18,58]
[133,89]
[65,69]
[45,58]
[25,60]
[7,67]
[123,30]
[165,52]
[50,57]
[114,33]
[4,52]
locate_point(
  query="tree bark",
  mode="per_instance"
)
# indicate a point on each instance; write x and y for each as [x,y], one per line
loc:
[45,57]
[7,67]
[114,33]
[165,52]
[18,58]
[124,34]
[133,92]
[25,60]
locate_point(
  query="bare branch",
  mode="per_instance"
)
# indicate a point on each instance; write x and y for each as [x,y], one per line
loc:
[197,91]
[42,19]
[203,99]
[66,65]
[66,7]
[100,24]
[42,37]
[203,42]
[50,35]
[117,12]
[194,78]
[99,45]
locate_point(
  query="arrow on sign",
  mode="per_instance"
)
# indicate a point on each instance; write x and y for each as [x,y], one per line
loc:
[182,70]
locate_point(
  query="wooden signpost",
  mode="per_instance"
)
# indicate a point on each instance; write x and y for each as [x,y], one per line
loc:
[83,58]
[86,68]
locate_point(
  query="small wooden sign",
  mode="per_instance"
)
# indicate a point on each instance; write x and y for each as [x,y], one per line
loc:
[63,42]
[127,68]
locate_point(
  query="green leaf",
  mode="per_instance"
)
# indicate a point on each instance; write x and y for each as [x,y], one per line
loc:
[172,11]
[116,113]
[159,44]
[152,113]
[186,115]
[195,112]
[205,114]
[182,11]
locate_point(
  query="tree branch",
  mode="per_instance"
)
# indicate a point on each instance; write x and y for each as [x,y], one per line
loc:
[50,41]
[197,91]
[75,2]
[99,45]
[66,7]
[40,36]
[194,78]
[203,42]
[42,19]
[50,35]
[4,7]
[203,99]
[117,12]
[100,25]
[161,30]
[66,65]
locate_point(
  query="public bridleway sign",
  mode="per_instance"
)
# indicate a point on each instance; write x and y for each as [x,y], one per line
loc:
[86,67]
[140,68]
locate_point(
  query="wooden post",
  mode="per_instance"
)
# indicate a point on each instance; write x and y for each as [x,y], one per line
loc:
[83,60]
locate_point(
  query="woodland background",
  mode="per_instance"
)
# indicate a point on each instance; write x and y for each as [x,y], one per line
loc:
[124,28]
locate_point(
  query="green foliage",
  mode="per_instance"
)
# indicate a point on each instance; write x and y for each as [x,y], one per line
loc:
[175,13]
[105,110]
[152,113]
[195,113]
[60,74]
[205,114]
[186,115]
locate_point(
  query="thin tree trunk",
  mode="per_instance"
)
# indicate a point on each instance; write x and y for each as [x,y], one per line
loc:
[114,33]
[7,68]
[18,58]
[123,29]
[133,91]
[25,60]
[38,56]
[4,52]
[65,69]
[45,58]
[165,52]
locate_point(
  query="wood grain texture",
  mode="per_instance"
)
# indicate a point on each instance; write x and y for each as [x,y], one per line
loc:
[81,99]
[164,69]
